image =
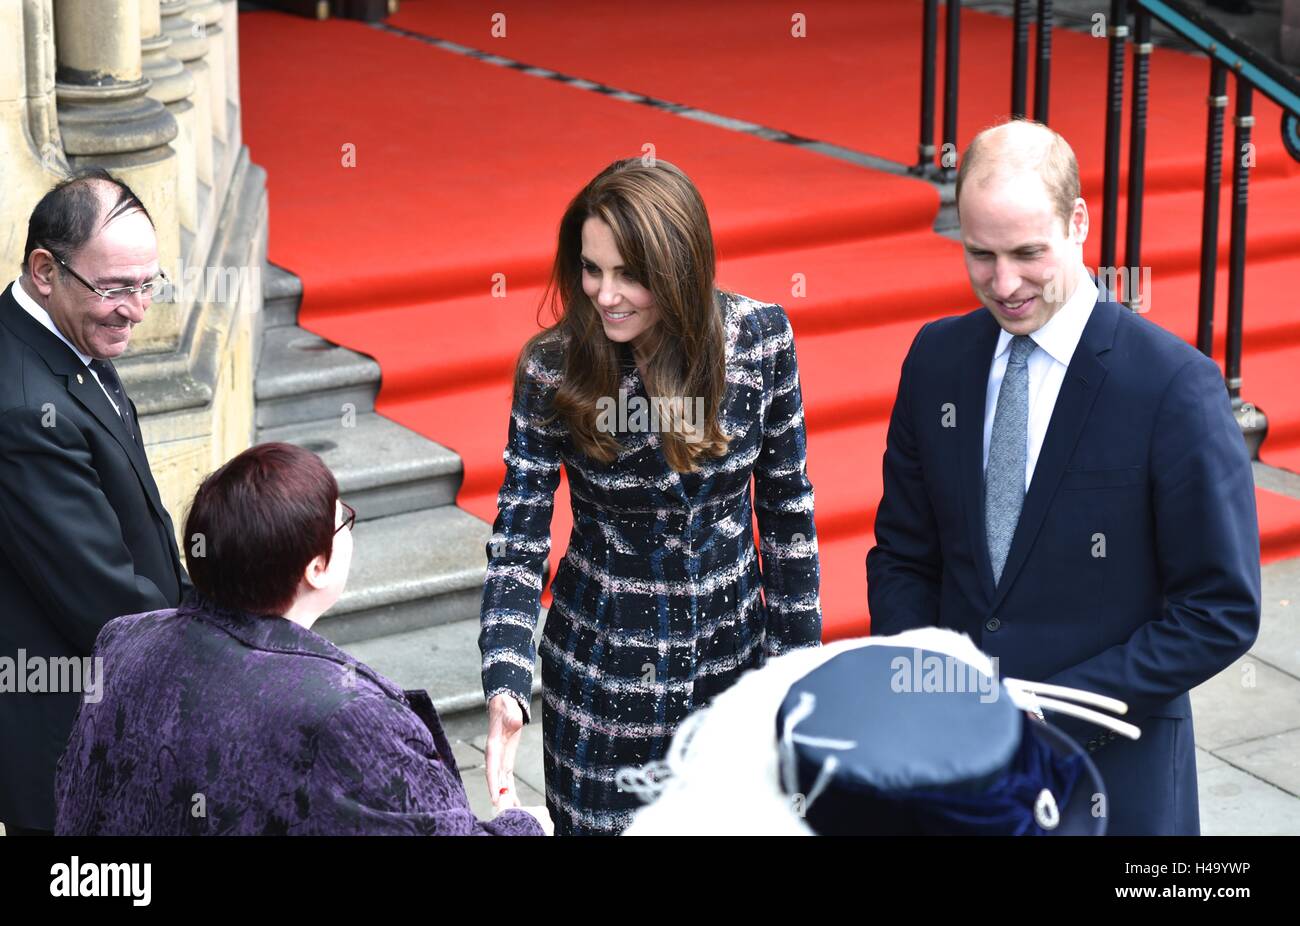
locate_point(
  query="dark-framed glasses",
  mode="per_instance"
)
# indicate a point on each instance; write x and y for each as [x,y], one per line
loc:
[349,516]
[119,294]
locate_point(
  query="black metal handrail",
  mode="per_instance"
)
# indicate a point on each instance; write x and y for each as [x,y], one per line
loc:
[1253,72]
[946,167]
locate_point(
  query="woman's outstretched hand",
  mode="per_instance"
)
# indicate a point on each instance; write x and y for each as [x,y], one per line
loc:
[505,727]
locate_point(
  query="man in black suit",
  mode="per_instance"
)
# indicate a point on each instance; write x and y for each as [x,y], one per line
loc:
[84,536]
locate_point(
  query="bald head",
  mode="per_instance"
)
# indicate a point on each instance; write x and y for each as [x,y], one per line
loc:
[1023,223]
[77,209]
[91,247]
[1013,151]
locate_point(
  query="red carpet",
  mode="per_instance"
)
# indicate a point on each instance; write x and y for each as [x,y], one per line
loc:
[463,169]
[855,79]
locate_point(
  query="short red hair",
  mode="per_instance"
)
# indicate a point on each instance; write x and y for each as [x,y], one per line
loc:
[256,523]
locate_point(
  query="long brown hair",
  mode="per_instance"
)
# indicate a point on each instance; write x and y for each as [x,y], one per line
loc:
[661,229]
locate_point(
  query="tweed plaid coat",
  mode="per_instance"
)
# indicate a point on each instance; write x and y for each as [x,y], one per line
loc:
[660,601]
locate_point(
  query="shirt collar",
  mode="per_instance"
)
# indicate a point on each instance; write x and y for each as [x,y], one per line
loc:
[33,309]
[1060,336]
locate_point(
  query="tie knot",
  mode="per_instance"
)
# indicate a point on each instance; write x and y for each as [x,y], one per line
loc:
[1022,345]
[107,375]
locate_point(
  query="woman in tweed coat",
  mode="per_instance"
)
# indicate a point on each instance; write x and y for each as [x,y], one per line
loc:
[660,601]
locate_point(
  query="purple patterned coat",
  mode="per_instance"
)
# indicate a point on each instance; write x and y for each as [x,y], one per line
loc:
[218,722]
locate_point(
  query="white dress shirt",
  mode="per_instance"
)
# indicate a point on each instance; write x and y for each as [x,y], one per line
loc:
[1056,342]
[42,316]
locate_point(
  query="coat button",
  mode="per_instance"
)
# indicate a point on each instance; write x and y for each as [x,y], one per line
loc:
[1092,745]
[992,625]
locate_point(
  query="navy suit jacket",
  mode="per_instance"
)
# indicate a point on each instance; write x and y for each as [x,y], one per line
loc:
[1134,568]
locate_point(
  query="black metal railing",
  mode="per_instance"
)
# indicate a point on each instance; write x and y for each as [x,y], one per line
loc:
[1252,72]
[945,168]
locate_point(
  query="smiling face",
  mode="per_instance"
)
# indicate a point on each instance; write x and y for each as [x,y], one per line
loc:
[1023,261]
[122,253]
[626,307]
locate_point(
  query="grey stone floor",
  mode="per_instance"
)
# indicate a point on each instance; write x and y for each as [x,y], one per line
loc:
[1247,721]
[468,735]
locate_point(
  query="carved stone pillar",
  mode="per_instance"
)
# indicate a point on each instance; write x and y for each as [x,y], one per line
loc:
[31,152]
[230,25]
[210,14]
[190,47]
[36,24]
[172,85]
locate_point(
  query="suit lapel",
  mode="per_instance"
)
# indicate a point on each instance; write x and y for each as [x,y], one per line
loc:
[971,398]
[1083,379]
[88,392]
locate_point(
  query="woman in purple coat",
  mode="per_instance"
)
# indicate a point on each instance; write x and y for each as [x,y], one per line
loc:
[230,716]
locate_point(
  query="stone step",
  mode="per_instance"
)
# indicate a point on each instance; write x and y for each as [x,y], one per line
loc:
[302,377]
[443,660]
[281,296]
[409,572]
[383,468]
[416,579]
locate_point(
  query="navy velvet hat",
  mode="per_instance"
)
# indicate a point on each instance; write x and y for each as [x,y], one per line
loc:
[886,740]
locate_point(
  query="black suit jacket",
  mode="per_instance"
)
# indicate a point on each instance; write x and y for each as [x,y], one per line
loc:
[84,538]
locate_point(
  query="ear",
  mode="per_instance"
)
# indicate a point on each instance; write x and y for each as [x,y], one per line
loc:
[314,574]
[40,270]
[1079,222]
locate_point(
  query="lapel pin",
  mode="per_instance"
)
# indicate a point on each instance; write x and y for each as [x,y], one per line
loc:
[79,379]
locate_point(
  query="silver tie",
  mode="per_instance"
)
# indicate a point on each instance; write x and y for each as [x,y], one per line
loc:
[1004,480]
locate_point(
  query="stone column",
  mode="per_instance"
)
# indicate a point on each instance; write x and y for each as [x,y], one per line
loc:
[230,25]
[209,13]
[190,47]
[107,119]
[31,154]
[37,28]
[172,85]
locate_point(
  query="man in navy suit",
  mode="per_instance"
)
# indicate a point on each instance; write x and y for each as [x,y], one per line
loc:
[1065,482]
